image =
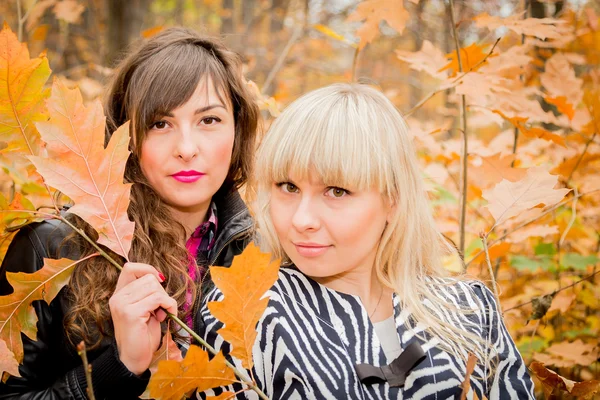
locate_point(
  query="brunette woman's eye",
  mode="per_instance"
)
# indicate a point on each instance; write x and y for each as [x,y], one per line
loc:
[210,120]
[159,125]
[337,192]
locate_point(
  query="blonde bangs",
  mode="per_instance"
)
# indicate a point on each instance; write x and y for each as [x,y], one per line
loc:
[330,137]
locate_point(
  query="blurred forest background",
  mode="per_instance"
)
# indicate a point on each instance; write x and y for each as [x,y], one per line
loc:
[525,91]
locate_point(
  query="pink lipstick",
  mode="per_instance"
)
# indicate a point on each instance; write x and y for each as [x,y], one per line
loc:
[310,249]
[188,176]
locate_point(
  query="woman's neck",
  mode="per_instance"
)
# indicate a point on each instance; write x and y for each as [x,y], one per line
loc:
[191,218]
[375,297]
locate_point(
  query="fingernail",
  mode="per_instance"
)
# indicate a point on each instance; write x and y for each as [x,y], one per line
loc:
[161,277]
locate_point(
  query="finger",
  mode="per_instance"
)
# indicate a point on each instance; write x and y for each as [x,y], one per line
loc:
[133,271]
[149,304]
[160,314]
[135,291]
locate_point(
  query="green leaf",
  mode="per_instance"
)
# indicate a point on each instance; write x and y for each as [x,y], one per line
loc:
[578,261]
[523,263]
[545,249]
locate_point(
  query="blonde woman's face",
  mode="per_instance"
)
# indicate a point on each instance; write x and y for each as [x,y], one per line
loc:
[186,154]
[328,231]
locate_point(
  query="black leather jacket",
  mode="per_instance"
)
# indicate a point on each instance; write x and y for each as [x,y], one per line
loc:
[51,368]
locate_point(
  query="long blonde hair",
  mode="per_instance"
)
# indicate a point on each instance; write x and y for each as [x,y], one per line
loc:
[352,136]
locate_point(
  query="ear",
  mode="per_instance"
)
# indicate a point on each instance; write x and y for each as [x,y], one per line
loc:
[391,204]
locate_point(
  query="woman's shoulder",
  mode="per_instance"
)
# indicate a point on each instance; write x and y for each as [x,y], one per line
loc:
[34,242]
[462,291]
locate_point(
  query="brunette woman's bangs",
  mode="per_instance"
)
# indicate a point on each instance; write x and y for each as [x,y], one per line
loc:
[169,78]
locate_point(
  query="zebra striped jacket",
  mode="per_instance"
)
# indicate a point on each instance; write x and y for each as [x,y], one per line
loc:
[311,337]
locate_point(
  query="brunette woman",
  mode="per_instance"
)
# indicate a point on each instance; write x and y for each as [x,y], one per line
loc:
[193,125]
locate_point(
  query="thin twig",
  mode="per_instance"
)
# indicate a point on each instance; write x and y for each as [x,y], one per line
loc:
[571,221]
[555,292]
[587,144]
[489,263]
[355,63]
[19,21]
[524,224]
[452,83]
[87,368]
[465,152]
[279,63]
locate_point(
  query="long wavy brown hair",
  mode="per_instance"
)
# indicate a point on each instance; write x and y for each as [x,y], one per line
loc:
[157,77]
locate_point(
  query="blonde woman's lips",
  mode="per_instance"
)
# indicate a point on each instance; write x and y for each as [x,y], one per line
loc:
[310,249]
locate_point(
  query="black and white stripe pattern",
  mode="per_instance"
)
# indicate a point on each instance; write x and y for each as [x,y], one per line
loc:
[310,337]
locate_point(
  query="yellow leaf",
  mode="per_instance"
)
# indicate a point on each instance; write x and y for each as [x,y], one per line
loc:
[80,167]
[332,34]
[372,12]
[243,285]
[174,379]
[22,81]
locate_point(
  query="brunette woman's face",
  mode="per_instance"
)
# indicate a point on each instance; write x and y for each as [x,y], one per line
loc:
[328,231]
[186,154]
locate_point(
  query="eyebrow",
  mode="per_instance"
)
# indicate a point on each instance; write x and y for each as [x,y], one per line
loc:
[201,110]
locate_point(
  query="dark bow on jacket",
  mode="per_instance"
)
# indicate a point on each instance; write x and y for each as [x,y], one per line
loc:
[394,373]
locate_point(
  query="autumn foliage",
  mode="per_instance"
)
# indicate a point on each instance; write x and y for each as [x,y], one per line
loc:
[505,122]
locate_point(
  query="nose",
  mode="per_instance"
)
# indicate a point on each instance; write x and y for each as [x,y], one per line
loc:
[186,148]
[306,216]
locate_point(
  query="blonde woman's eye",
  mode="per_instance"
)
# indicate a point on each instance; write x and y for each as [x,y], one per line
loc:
[337,192]
[288,187]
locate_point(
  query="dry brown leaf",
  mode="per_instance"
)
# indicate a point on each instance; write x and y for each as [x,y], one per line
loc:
[69,11]
[569,354]
[542,28]
[243,285]
[495,168]
[552,382]
[429,59]
[559,79]
[508,199]
[372,12]
[466,385]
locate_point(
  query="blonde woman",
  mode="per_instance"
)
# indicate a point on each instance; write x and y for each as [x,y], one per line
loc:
[363,308]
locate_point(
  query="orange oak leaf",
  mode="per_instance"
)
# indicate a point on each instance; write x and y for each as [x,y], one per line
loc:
[168,350]
[496,251]
[372,12]
[16,313]
[174,379]
[222,396]
[533,132]
[80,167]
[508,199]
[561,105]
[10,217]
[243,285]
[470,57]
[542,28]
[428,59]
[22,92]
[552,382]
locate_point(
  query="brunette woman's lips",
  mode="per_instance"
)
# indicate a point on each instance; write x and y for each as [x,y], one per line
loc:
[188,176]
[310,249]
